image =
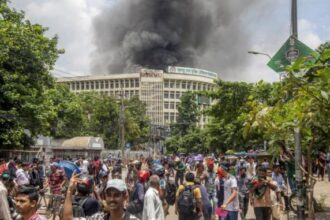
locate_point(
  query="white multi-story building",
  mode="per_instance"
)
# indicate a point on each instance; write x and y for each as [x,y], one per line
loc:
[161,91]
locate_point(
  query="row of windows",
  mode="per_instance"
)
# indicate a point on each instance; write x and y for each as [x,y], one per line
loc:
[135,83]
[189,85]
[104,84]
[172,117]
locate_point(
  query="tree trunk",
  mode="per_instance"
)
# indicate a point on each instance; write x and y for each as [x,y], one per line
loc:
[310,173]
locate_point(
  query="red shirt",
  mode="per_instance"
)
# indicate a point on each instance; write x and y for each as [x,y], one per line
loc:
[55,180]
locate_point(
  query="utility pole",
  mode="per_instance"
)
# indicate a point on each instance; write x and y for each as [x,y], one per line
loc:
[122,124]
[297,136]
[294,23]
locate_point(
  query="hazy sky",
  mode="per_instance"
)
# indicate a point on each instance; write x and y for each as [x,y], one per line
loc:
[267,23]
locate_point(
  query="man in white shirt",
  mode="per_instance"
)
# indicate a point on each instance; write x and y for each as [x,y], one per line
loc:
[153,208]
[230,202]
[22,175]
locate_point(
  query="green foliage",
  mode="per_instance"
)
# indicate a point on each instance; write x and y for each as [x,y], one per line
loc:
[300,100]
[26,55]
[225,128]
[188,114]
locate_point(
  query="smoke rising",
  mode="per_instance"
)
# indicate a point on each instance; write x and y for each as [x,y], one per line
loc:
[208,34]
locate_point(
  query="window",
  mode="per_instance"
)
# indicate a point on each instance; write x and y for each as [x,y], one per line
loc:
[87,85]
[132,83]
[82,85]
[172,94]
[171,84]
[177,95]
[96,85]
[172,116]
[137,83]
[166,116]
[126,83]
[106,85]
[184,85]
[117,84]
[112,84]
[171,105]
[166,94]
[166,84]
[166,105]
[198,86]
[101,84]
[177,84]
[194,86]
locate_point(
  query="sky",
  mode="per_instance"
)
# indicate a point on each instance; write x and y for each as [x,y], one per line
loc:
[267,23]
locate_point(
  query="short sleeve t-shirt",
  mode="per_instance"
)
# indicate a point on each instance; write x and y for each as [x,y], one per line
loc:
[55,179]
[230,184]
[196,190]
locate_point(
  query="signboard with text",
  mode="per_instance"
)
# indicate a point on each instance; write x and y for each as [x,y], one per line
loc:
[289,52]
[192,71]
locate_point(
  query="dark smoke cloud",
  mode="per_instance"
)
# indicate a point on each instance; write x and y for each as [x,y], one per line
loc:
[208,34]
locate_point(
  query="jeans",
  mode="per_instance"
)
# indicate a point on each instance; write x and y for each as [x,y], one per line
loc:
[262,213]
[207,212]
[214,200]
[232,215]
[190,217]
[243,204]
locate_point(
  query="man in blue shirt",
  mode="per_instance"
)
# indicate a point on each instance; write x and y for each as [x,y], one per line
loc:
[281,185]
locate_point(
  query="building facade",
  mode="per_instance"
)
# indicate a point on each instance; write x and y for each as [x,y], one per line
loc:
[160,90]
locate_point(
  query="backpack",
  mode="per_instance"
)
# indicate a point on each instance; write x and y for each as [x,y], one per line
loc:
[170,192]
[77,208]
[187,202]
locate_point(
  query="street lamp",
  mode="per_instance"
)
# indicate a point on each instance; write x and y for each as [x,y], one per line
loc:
[259,53]
[264,54]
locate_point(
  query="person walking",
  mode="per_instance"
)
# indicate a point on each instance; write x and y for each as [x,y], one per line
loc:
[281,185]
[243,182]
[230,203]
[153,207]
[188,203]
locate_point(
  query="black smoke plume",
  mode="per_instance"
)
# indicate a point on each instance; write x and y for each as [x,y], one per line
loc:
[209,34]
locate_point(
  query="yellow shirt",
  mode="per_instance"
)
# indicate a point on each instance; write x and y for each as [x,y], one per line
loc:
[196,191]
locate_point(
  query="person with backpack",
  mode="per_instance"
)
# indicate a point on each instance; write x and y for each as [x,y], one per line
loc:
[83,204]
[188,203]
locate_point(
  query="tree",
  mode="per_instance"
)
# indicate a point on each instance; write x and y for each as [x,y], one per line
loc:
[137,124]
[26,56]
[188,114]
[225,127]
[66,113]
[101,117]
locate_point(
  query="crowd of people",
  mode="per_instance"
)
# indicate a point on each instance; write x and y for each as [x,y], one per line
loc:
[209,187]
